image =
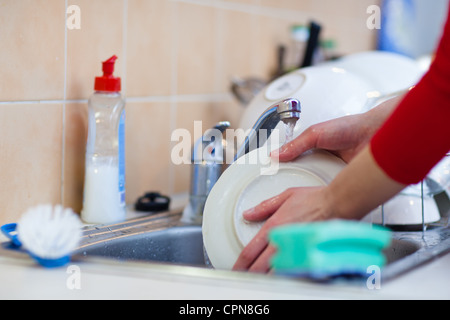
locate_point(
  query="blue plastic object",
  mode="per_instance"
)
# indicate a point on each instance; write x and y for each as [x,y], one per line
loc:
[9,230]
[397,24]
[51,263]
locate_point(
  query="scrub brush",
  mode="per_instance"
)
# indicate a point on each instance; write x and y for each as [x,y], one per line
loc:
[49,234]
[329,249]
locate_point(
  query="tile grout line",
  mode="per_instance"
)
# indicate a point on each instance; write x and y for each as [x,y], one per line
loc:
[256,9]
[255,33]
[218,43]
[124,47]
[207,97]
[124,73]
[56,101]
[63,134]
[173,91]
[195,97]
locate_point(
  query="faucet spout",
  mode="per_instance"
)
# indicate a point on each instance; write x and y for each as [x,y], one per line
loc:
[287,111]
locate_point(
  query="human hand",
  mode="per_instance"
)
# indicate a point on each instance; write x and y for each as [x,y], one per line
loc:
[292,206]
[346,197]
[345,137]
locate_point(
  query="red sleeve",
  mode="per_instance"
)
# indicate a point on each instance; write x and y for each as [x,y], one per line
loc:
[417,135]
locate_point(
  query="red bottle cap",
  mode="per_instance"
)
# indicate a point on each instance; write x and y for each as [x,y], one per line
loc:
[108,82]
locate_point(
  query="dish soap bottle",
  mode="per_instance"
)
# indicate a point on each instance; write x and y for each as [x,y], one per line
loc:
[104,185]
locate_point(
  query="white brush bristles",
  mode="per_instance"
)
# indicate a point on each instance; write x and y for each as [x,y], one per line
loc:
[49,232]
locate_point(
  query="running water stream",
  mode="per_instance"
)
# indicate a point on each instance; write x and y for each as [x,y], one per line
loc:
[289,130]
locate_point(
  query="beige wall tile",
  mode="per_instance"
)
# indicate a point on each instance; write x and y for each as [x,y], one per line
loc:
[236,53]
[271,32]
[231,111]
[168,49]
[196,48]
[147,149]
[100,37]
[303,5]
[345,22]
[32,54]
[30,156]
[149,47]
[76,125]
[254,2]
[342,8]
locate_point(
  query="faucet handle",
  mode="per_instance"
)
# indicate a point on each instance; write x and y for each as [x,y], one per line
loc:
[207,166]
[222,126]
[213,142]
[210,146]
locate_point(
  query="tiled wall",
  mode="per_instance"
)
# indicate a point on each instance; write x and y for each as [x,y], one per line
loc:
[176,58]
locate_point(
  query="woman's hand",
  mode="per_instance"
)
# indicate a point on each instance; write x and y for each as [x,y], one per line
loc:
[345,137]
[293,205]
[347,197]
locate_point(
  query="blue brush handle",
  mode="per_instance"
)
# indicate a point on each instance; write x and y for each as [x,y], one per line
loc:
[9,231]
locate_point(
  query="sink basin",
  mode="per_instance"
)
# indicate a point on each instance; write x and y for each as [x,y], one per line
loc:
[163,239]
[158,238]
[175,245]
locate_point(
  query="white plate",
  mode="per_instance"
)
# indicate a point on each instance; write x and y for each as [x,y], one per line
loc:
[246,183]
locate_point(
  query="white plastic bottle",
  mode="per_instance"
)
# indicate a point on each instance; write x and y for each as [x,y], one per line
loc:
[104,185]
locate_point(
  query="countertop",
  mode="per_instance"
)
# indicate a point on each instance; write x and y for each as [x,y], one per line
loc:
[93,278]
[22,278]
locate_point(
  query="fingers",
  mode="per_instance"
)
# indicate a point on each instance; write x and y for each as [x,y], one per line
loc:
[304,142]
[293,205]
[266,208]
[262,264]
[256,255]
[251,252]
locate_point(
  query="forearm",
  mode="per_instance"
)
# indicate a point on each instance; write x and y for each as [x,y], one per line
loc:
[378,115]
[360,187]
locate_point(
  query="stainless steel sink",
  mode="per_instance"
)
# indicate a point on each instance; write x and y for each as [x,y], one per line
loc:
[163,239]
[410,250]
[158,238]
[175,245]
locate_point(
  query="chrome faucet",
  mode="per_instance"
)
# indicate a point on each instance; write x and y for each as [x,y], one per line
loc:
[287,111]
[206,168]
[208,154]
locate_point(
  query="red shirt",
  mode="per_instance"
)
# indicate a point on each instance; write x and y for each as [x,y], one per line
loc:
[417,135]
